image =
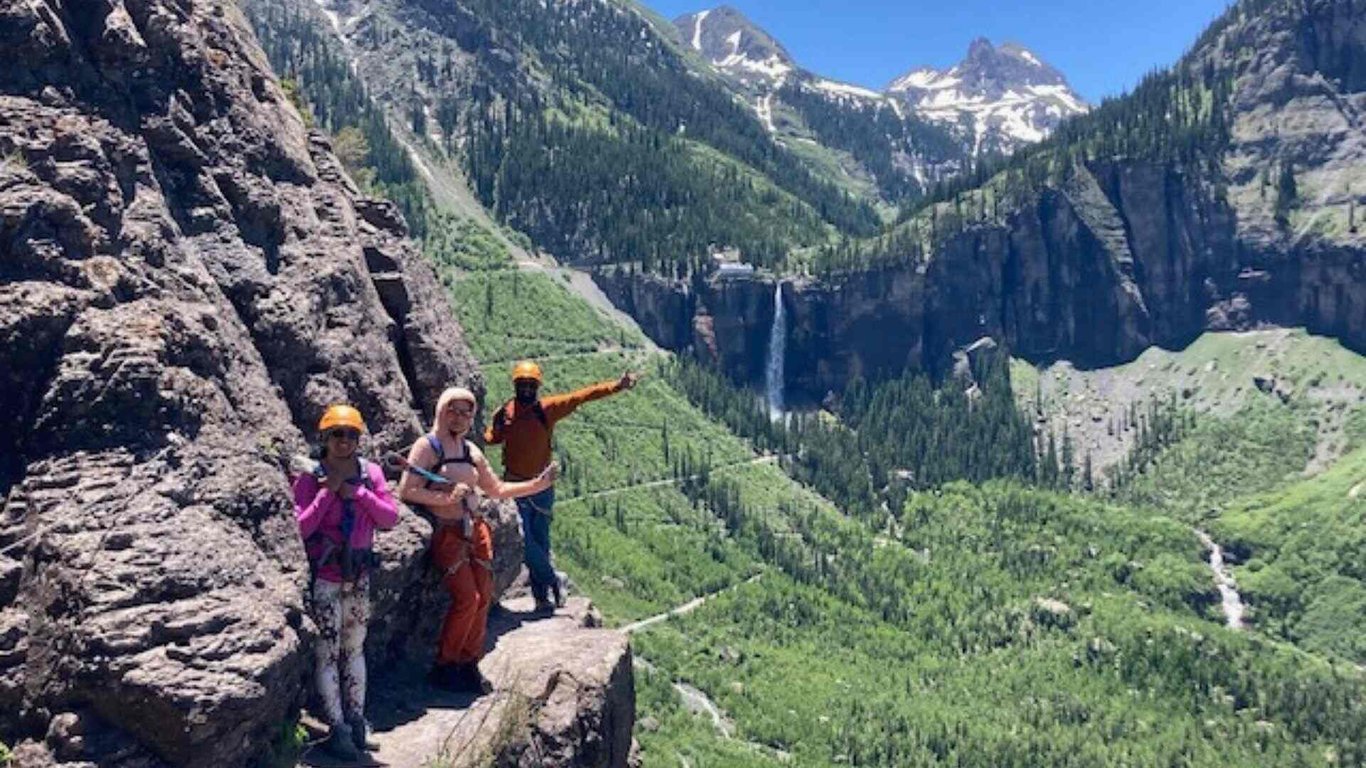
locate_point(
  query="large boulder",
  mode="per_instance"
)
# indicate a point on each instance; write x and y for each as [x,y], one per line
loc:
[186,277]
[564,698]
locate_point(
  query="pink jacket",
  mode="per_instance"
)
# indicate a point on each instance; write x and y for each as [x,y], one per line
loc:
[318,509]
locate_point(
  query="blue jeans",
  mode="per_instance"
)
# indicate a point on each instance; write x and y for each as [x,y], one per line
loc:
[535,512]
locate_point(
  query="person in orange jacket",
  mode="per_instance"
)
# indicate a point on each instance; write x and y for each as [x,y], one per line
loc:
[524,426]
[462,543]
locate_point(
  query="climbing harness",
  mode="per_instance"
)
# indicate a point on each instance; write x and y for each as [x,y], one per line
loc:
[321,548]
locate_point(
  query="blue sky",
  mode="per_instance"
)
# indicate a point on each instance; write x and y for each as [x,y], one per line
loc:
[1102,46]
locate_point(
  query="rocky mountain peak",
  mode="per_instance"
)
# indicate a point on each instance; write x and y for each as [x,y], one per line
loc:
[998,98]
[735,45]
[1001,96]
[1010,65]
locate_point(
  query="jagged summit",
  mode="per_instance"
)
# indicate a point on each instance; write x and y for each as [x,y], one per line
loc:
[998,98]
[735,45]
[986,67]
[1007,94]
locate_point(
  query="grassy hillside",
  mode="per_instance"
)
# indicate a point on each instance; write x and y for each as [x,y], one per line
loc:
[1296,420]
[991,625]
[1302,568]
[1269,416]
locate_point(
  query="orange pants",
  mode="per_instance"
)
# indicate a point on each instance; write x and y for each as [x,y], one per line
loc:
[466,575]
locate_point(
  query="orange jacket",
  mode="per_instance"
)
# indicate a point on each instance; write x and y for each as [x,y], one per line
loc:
[525,439]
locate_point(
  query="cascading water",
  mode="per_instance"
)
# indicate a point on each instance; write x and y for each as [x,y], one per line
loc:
[1223,581]
[777,351]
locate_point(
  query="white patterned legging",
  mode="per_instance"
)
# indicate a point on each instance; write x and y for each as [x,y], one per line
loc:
[341,612]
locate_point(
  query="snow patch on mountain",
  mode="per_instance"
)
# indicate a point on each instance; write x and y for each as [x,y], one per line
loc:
[732,44]
[924,78]
[764,108]
[697,29]
[1007,94]
[845,89]
[773,67]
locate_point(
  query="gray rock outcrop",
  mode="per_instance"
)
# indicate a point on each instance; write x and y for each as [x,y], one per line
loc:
[186,275]
[564,698]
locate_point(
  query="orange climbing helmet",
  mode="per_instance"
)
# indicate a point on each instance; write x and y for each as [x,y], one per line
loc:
[526,369]
[341,416]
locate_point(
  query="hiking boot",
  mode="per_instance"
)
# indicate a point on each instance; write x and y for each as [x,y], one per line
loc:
[557,589]
[472,680]
[445,676]
[339,743]
[543,607]
[360,732]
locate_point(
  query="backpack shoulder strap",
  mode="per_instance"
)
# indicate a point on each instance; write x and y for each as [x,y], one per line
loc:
[442,459]
[435,443]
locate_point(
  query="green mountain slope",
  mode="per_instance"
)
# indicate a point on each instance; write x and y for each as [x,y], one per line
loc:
[984,625]
[1255,436]
[990,625]
[579,124]
[1300,551]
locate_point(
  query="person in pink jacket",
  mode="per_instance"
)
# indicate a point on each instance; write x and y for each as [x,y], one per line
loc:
[339,506]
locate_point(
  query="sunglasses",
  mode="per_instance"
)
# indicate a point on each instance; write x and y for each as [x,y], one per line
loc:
[466,411]
[344,434]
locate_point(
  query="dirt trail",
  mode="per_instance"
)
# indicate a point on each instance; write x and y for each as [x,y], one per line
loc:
[686,608]
[667,481]
[582,285]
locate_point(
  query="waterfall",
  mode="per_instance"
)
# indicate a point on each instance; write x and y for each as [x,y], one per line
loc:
[777,352]
[1223,581]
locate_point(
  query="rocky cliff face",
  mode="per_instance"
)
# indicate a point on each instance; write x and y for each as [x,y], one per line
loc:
[186,275]
[1123,253]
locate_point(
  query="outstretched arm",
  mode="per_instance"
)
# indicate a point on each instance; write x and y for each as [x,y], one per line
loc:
[559,406]
[495,488]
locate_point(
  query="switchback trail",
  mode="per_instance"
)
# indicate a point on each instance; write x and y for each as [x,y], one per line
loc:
[688,607]
[670,480]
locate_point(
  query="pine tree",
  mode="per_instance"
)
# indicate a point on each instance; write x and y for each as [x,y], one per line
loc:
[1287,193]
[1068,460]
